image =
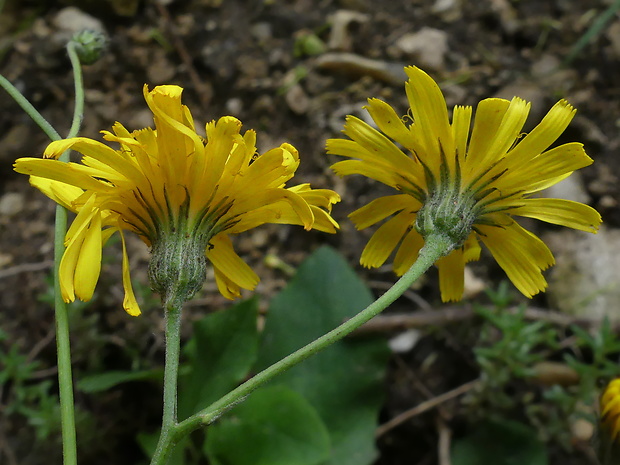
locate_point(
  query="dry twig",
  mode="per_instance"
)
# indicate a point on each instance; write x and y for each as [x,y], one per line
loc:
[424,406]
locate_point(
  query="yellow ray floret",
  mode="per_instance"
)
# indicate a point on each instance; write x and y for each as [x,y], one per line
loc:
[466,178]
[167,185]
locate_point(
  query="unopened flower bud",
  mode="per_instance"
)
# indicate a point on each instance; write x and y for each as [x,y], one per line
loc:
[90,45]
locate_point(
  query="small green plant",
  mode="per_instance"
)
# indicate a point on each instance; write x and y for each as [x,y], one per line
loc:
[512,351]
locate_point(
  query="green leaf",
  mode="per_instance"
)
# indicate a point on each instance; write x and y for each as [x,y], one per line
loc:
[109,379]
[221,353]
[344,383]
[274,426]
[500,443]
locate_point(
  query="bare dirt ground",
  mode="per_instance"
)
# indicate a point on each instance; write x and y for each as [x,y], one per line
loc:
[279,66]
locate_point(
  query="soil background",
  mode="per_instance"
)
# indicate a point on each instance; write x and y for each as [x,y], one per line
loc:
[292,70]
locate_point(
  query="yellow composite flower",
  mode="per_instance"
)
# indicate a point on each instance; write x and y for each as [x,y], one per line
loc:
[182,194]
[468,184]
[609,424]
[610,410]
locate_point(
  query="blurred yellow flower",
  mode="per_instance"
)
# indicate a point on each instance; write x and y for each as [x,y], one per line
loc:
[183,195]
[465,184]
[609,424]
[610,410]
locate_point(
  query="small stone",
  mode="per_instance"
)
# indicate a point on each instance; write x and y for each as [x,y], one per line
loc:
[583,430]
[472,285]
[548,70]
[405,341]
[529,91]
[585,279]
[357,66]
[72,20]
[5,260]
[608,202]
[448,10]
[297,100]
[261,31]
[507,15]
[11,203]
[342,22]
[428,47]
[234,106]
[549,373]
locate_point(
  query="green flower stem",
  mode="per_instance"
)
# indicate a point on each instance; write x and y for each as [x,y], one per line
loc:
[29,109]
[436,246]
[171,372]
[78,110]
[65,376]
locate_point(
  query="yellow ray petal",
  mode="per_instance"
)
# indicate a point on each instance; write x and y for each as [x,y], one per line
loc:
[97,151]
[381,208]
[348,167]
[225,259]
[428,107]
[461,120]
[59,192]
[408,252]
[376,145]
[385,239]
[451,276]
[521,254]
[227,288]
[562,212]
[130,304]
[501,140]
[88,266]
[390,123]
[66,270]
[471,249]
[323,221]
[550,165]
[82,220]
[544,134]
[69,173]
[489,116]
[220,142]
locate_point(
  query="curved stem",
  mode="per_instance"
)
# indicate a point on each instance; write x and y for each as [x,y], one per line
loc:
[65,377]
[29,109]
[78,111]
[434,248]
[171,371]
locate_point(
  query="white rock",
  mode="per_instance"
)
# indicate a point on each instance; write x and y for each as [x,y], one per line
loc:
[11,203]
[585,280]
[340,33]
[428,47]
[448,10]
[405,341]
[297,99]
[71,19]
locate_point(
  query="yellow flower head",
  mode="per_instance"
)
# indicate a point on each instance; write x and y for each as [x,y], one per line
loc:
[610,411]
[182,194]
[466,185]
